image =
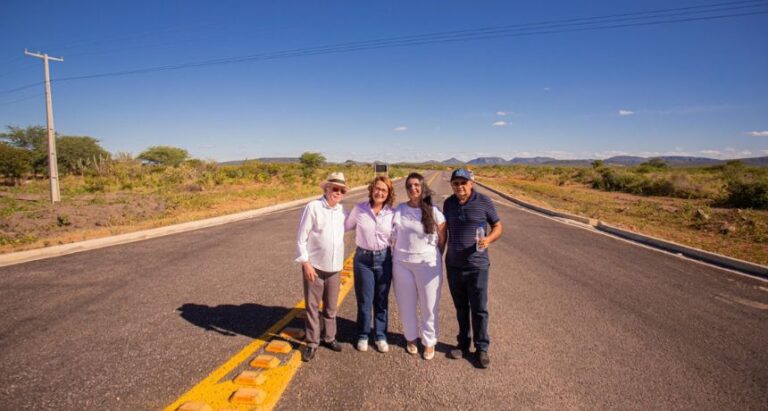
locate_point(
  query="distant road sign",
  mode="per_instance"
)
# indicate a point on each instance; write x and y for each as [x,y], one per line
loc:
[381,168]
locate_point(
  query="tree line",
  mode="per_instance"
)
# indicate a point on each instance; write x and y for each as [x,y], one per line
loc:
[24,153]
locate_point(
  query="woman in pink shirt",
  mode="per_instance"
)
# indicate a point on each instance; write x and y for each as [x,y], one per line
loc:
[372,221]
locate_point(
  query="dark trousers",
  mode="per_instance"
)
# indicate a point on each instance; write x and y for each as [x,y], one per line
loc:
[469,289]
[373,279]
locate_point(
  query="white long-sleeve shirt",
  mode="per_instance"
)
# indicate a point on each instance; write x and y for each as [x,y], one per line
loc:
[320,239]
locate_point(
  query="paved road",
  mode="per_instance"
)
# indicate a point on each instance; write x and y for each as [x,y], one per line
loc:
[578,320]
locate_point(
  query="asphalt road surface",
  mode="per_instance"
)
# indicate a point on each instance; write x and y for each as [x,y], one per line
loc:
[579,319]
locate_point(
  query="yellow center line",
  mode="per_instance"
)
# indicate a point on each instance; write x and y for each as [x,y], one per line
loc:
[215,391]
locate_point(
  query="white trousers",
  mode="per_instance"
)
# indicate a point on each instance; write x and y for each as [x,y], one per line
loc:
[417,286]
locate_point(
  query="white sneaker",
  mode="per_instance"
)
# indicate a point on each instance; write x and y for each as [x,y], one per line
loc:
[362,345]
[382,346]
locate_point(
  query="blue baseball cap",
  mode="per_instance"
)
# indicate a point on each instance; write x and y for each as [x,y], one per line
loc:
[462,173]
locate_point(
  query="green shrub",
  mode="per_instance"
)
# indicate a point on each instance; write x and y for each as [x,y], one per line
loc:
[96,184]
[746,192]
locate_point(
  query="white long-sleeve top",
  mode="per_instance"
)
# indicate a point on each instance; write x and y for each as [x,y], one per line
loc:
[321,236]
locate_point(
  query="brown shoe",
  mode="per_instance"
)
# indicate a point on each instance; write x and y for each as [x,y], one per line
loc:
[333,345]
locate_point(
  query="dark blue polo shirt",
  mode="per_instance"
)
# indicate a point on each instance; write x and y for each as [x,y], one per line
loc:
[462,222]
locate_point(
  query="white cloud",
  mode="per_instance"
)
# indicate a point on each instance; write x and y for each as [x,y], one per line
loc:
[401,129]
[625,112]
[711,153]
[503,113]
[500,124]
[559,154]
[743,153]
[547,89]
[763,133]
[608,154]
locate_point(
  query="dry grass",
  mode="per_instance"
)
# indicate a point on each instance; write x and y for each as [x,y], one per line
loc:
[100,206]
[733,232]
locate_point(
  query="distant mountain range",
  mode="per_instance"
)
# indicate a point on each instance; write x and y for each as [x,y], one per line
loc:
[262,160]
[617,160]
[674,161]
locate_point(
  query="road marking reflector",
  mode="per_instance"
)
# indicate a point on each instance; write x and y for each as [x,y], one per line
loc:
[279,347]
[195,406]
[248,396]
[265,361]
[250,378]
[221,392]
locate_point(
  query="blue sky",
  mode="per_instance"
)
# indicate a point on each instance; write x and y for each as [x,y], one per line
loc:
[692,88]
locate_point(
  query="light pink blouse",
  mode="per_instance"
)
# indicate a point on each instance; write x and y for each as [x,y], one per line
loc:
[372,231]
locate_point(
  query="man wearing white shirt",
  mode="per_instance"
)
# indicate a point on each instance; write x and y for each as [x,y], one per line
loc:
[320,249]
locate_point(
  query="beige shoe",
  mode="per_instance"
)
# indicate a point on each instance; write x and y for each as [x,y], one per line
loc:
[411,347]
[429,352]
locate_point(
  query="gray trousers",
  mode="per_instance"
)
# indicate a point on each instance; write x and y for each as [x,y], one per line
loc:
[325,288]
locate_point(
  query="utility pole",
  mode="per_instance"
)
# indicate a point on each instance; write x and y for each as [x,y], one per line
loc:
[53,167]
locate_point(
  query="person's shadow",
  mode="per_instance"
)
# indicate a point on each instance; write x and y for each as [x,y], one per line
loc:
[250,320]
[253,320]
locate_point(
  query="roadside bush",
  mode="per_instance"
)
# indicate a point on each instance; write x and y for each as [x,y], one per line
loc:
[746,192]
[96,184]
[14,162]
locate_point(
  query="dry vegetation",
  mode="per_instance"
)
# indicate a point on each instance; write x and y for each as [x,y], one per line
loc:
[695,207]
[125,196]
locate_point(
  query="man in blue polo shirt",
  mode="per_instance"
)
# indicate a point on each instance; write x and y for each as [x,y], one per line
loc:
[467,263]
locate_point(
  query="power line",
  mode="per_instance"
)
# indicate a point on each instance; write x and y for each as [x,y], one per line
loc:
[613,21]
[6,103]
[350,47]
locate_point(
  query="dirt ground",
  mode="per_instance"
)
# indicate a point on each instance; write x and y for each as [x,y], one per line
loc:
[36,220]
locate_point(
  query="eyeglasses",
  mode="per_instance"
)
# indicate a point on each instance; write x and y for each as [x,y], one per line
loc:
[338,190]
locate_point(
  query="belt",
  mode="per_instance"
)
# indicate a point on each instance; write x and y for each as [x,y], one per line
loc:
[371,252]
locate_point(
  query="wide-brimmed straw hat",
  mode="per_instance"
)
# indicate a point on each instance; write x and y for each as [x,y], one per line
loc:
[336,179]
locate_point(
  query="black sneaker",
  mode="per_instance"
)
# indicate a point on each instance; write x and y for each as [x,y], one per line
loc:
[482,357]
[458,353]
[308,354]
[333,345]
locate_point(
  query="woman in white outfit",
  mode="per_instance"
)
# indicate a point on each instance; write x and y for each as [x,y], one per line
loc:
[419,241]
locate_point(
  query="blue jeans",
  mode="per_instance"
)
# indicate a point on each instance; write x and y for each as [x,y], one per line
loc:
[469,289]
[373,278]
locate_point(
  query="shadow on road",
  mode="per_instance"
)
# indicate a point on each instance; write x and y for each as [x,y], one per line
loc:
[253,320]
[250,320]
